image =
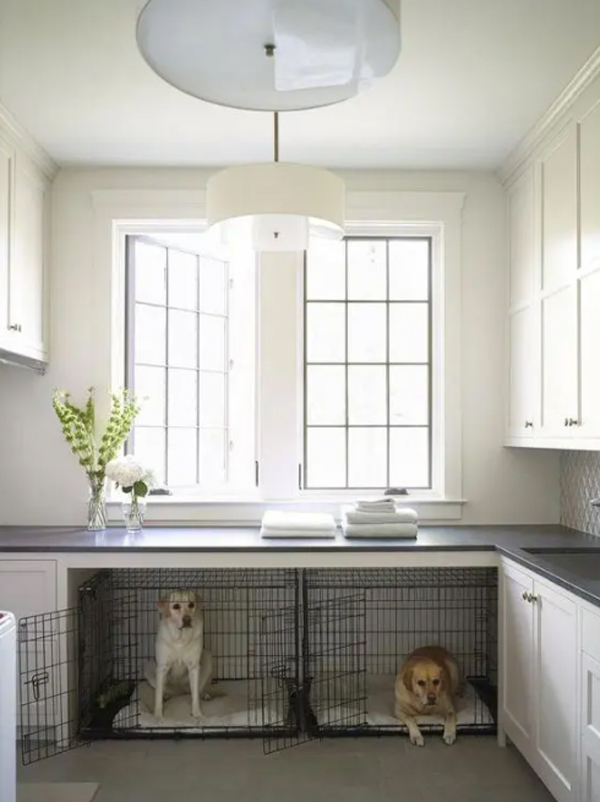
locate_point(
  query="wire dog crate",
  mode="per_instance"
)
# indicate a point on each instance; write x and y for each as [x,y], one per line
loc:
[362,624]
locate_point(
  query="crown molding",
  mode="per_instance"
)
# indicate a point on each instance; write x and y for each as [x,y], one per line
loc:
[552,120]
[23,139]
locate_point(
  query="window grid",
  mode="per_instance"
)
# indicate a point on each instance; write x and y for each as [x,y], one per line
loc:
[387,364]
[131,363]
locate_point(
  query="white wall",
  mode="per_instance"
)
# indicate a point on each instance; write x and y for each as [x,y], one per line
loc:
[41,482]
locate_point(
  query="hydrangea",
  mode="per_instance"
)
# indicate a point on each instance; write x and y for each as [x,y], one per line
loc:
[130,475]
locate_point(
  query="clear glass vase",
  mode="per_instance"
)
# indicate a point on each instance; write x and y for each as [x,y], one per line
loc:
[133,514]
[96,519]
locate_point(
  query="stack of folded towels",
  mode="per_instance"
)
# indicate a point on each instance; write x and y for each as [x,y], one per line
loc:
[379,518]
[297,524]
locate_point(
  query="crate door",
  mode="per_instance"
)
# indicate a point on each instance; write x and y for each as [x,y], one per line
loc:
[284,709]
[334,656]
[48,680]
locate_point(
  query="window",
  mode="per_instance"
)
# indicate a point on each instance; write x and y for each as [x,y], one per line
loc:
[368,363]
[189,362]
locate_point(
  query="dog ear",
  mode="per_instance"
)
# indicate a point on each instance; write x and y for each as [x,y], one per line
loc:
[407,678]
[164,608]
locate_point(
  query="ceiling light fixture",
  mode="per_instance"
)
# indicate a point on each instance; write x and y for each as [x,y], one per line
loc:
[327,50]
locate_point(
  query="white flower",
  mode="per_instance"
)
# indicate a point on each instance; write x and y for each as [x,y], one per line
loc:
[125,471]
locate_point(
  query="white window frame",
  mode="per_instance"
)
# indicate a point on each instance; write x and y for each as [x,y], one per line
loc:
[434,214]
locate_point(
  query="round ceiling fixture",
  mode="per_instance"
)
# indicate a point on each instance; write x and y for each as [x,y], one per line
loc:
[324,51]
[283,204]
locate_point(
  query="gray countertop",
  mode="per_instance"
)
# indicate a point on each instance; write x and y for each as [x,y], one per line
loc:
[511,541]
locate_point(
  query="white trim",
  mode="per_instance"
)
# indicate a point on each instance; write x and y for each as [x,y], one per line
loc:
[23,140]
[550,123]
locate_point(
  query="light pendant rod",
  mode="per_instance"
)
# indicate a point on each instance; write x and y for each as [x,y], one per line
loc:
[276,136]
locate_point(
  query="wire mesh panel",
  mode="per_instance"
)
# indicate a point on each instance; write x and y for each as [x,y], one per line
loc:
[403,609]
[48,667]
[122,619]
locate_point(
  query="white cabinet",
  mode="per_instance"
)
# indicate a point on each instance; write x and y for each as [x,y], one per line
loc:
[559,402]
[590,730]
[538,702]
[27,587]
[523,407]
[589,178]
[24,204]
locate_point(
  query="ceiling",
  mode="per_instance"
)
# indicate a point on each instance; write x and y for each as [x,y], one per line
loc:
[472,78]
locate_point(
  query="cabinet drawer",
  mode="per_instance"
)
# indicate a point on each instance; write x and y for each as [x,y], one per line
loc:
[590,634]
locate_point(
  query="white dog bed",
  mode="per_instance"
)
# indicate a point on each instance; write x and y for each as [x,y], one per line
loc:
[228,709]
[380,706]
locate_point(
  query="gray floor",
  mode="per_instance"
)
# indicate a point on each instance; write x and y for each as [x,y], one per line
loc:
[349,770]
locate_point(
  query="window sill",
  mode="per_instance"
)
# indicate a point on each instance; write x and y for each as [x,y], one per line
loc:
[239,511]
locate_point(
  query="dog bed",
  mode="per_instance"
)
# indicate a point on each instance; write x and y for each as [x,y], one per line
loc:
[228,709]
[332,709]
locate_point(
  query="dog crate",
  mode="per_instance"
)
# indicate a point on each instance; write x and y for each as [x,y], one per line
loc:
[88,673]
[361,625]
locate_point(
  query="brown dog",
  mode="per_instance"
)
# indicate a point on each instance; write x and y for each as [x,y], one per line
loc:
[426,685]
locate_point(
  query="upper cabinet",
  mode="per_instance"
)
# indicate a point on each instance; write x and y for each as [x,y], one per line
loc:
[553,324]
[24,213]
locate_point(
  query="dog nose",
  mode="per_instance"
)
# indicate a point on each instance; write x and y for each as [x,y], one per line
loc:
[431,698]
[187,620]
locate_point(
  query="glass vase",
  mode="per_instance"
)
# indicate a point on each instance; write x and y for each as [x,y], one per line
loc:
[96,519]
[133,514]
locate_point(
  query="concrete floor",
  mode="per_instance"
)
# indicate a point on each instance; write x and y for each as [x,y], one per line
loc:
[348,770]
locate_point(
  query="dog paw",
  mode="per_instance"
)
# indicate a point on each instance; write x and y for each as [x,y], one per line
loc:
[196,715]
[449,738]
[417,739]
[206,696]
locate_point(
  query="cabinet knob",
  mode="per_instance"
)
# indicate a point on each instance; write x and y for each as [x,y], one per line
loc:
[529,597]
[525,595]
[573,421]
[529,424]
[14,327]
[566,421]
[532,598]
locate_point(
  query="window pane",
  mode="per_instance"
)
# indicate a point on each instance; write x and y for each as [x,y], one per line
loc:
[367,394]
[213,295]
[212,399]
[183,280]
[212,456]
[326,457]
[366,332]
[149,387]
[409,457]
[325,270]
[150,272]
[183,339]
[212,343]
[183,398]
[325,333]
[367,458]
[149,448]
[182,457]
[409,332]
[325,395]
[409,270]
[367,270]
[409,397]
[150,335]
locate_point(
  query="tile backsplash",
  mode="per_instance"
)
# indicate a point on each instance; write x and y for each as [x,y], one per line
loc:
[580,482]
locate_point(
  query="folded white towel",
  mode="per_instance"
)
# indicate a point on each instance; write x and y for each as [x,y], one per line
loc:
[298,521]
[368,504]
[380,530]
[267,532]
[399,515]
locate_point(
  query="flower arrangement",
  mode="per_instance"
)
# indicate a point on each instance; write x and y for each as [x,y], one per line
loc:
[133,478]
[93,450]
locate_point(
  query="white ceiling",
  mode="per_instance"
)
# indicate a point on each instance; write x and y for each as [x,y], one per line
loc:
[472,78]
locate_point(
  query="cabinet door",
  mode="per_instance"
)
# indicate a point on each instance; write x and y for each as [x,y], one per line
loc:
[7,166]
[559,363]
[590,730]
[589,345]
[555,686]
[524,371]
[559,210]
[589,177]
[27,269]
[521,239]
[516,635]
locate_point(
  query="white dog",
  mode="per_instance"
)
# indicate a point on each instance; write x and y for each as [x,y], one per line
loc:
[182,664]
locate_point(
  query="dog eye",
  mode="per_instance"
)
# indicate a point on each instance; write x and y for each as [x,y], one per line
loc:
[436,682]
[177,607]
[191,605]
[421,682]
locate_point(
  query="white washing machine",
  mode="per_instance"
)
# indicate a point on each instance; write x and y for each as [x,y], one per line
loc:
[8,708]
